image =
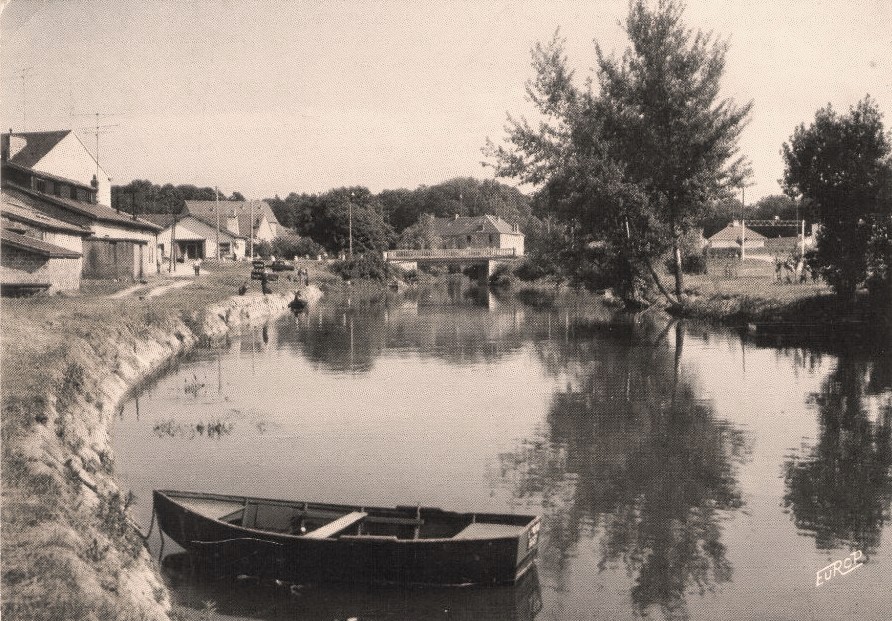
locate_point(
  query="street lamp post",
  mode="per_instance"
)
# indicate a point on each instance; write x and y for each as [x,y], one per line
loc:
[350,223]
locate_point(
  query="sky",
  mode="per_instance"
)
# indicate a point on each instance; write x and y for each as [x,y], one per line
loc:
[271,97]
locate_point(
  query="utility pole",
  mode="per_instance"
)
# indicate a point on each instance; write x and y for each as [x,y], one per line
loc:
[251,225]
[217,209]
[742,223]
[173,245]
[350,223]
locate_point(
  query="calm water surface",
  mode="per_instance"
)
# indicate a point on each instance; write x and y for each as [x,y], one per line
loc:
[683,472]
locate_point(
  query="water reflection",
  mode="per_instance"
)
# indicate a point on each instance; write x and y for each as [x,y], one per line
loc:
[841,491]
[325,602]
[629,451]
[343,337]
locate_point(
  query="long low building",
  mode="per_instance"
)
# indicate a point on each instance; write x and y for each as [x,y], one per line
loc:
[119,246]
[186,236]
[38,252]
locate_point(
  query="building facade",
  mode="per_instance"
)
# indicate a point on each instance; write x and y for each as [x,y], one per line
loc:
[62,156]
[190,237]
[479,232]
[253,220]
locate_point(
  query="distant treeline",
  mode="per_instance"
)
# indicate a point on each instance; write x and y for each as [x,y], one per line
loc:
[393,217]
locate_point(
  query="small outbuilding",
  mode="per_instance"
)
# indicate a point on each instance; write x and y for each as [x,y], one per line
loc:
[732,235]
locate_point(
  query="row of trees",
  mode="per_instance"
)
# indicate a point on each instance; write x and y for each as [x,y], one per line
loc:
[379,220]
[629,163]
[142,196]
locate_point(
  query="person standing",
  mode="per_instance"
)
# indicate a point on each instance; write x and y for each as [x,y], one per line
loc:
[197,266]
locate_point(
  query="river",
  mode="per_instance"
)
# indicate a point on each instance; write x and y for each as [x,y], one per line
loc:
[682,471]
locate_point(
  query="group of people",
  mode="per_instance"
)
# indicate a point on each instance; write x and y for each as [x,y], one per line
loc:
[792,269]
[303,276]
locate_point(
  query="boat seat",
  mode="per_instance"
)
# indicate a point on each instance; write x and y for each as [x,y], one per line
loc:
[333,528]
[481,530]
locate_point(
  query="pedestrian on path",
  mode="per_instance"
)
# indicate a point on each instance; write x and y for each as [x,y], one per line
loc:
[197,266]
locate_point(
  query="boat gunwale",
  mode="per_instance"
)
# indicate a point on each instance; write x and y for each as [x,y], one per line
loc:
[371,539]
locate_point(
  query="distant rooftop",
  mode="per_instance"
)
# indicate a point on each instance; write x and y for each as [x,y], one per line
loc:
[466,225]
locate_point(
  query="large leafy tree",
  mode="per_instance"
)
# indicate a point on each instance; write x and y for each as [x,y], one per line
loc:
[336,209]
[638,161]
[840,163]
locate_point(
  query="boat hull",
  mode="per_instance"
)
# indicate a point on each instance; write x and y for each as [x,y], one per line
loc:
[219,548]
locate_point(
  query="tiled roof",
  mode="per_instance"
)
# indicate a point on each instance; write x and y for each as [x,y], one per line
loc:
[37,246]
[207,211]
[49,176]
[732,233]
[17,210]
[165,220]
[466,225]
[33,198]
[37,145]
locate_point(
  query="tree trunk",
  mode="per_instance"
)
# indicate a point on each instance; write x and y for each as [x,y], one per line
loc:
[659,284]
[679,275]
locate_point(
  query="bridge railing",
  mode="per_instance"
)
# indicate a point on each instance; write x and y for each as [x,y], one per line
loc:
[448,253]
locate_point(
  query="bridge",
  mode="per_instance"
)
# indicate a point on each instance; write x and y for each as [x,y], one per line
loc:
[488,258]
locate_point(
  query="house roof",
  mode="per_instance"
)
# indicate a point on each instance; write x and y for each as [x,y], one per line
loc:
[165,221]
[17,210]
[45,175]
[732,233]
[37,145]
[207,211]
[37,246]
[102,213]
[466,225]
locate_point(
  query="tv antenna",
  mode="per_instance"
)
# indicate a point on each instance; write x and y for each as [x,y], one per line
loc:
[99,130]
[24,73]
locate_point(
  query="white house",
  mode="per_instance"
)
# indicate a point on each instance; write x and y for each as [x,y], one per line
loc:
[249,219]
[479,232]
[195,238]
[60,154]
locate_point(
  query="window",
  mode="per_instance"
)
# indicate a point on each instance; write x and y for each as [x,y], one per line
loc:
[40,185]
[225,249]
[160,250]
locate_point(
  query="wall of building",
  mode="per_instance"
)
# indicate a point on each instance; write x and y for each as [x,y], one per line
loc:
[20,266]
[109,259]
[512,241]
[64,240]
[265,231]
[71,159]
[195,230]
[109,231]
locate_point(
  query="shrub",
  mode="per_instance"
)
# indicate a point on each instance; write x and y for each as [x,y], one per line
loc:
[690,264]
[368,266]
[502,277]
[529,270]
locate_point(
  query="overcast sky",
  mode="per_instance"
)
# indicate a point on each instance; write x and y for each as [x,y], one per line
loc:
[271,97]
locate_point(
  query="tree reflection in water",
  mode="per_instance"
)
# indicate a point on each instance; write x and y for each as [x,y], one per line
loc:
[630,451]
[842,490]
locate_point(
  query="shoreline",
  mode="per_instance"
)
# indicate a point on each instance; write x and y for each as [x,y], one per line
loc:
[70,549]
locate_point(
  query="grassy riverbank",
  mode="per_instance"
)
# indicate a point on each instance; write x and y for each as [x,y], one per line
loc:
[749,295]
[69,551]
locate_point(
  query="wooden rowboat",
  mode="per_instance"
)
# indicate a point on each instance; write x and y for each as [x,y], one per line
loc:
[306,541]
